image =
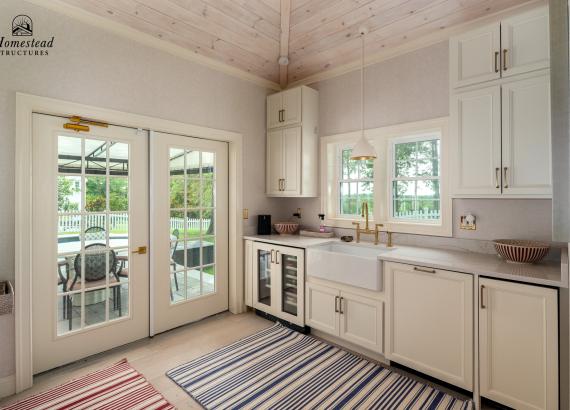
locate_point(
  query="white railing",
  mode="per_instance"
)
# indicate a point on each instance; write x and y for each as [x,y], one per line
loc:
[421,214]
[120,222]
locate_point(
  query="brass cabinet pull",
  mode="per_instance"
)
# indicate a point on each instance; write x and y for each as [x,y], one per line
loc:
[482,304]
[279,115]
[505,59]
[497,62]
[272,255]
[277,257]
[506,185]
[424,270]
[497,178]
[340,304]
[336,304]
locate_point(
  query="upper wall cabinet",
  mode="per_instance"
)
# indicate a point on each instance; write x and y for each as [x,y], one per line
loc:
[513,46]
[292,143]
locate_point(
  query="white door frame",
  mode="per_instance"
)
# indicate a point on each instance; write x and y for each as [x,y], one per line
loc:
[26,105]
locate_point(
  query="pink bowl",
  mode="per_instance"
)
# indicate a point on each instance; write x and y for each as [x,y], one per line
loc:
[519,251]
[286,228]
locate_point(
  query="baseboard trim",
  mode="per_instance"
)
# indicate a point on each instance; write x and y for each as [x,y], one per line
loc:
[350,346]
[7,386]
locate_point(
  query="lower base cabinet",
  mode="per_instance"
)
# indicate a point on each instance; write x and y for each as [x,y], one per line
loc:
[348,315]
[518,344]
[430,322]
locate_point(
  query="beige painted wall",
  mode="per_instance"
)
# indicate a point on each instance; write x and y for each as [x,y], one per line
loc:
[92,66]
[407,88]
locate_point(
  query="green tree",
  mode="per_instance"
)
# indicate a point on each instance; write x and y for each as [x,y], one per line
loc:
[65,190]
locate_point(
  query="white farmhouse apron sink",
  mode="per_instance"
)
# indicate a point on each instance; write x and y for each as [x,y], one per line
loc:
[354,265]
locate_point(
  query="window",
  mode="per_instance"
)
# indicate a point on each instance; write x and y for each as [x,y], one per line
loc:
[356,184]
[415,178]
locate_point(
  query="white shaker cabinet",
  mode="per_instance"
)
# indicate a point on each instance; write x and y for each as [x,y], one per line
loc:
[513,46]
[348,315]
[430,322]
[526,151]
[475,56]
[518,336]
[477,144]
[292,143]
[525,42]
[501,139]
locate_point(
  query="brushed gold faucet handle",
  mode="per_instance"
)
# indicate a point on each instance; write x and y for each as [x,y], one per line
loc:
[357,224]
[378,225]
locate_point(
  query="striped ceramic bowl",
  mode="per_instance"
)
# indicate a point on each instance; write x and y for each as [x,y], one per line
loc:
[520,251]
[286,228]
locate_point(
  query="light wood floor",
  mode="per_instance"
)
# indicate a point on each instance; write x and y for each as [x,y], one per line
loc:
[154,357]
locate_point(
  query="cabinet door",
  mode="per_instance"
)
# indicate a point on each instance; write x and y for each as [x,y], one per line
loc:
[290,275]
[526,42]
[322,308]
[292,161]
[292,106]
[264,291]
[475,56]
[361,321]
[518,344]
[274,107]
[430,322]
[526,137]
[477,144]
[274,164]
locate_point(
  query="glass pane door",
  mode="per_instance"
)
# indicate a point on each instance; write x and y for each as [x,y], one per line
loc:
[191,229]
[92,232]
[289,284]
[264,277]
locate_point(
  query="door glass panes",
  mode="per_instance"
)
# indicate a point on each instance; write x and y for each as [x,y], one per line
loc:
[264,277]
[191,229]
[289,281]
[92,234]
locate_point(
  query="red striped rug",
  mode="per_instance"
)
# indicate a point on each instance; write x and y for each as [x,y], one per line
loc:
[114,388]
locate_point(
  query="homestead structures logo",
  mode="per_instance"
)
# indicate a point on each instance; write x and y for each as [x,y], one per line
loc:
[22,26]
[23,43]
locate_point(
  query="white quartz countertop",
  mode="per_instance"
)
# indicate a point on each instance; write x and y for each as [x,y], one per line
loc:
[546,273]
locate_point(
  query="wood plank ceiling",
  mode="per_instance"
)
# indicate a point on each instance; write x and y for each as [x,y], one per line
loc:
[315,35]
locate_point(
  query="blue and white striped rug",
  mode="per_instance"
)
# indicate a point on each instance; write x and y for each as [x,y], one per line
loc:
[279,368]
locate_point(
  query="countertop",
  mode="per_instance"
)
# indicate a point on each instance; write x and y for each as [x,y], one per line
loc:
[546,273]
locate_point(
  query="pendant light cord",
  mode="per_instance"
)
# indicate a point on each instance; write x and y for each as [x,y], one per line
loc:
[362,87]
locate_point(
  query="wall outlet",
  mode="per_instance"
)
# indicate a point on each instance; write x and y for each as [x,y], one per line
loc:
[468,222]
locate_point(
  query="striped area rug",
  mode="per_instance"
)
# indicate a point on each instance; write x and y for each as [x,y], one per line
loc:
[279,368]
[114,388]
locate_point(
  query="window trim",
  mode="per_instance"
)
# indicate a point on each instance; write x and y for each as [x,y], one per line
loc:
[379,138]
[416,137]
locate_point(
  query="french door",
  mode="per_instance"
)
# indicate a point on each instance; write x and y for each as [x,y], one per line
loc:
[189,204]
[90,285]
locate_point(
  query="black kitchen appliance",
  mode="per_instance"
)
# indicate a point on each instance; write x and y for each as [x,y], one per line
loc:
[264,224]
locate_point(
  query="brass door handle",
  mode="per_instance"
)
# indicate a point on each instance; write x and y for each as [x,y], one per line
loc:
[506,185]
[505,59]
[141,250]
[482,304]
[497,178]
[497,69]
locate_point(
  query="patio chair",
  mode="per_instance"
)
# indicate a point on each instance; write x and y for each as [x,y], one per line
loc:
[95,273]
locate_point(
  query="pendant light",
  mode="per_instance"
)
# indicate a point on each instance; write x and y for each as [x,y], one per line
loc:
[362,150]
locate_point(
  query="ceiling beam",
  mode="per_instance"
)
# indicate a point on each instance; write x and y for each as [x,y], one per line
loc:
[284,42]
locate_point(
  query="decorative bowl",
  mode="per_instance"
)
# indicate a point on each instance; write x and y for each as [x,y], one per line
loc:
[286,228]
[521,251]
